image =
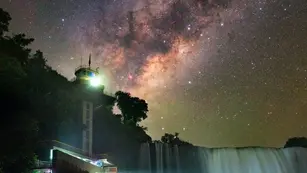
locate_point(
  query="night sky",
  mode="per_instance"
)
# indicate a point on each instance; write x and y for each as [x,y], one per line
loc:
[219,72]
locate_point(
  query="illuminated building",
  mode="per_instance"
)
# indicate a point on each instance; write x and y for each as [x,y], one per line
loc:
[91,112]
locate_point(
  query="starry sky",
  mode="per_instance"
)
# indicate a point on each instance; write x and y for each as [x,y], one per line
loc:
[222,73]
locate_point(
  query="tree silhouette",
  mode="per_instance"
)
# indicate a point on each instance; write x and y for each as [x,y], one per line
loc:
[133,109]
[30,99]
[16,46]
[296,142]
[5,19]
[173,139]
[18,129]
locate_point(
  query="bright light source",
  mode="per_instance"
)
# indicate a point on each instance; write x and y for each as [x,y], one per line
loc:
[95,81]
[51,154]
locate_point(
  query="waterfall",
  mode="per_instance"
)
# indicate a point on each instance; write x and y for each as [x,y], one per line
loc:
[163,158]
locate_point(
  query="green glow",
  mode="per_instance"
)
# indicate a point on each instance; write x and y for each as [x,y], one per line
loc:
[95,81]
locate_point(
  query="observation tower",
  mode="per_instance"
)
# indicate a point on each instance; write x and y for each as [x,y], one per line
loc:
[88,77]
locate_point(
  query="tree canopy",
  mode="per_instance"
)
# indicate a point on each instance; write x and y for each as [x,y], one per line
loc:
[133,109]
[5,19]
[296,142]
[173,139]
[18,129]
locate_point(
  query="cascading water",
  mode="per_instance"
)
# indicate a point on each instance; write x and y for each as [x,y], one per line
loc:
[257,160]
[163,158]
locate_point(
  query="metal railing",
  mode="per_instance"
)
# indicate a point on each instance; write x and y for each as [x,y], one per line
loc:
[69,147]
[77,150]
[81,66]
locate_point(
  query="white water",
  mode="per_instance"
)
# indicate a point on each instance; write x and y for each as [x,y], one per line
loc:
[161,158]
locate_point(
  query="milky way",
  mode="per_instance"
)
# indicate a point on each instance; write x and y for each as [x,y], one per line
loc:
[151,47]
[219,72]
[146,49]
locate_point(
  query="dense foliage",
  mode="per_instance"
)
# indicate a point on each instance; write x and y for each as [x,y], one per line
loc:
[296,142]
[173,139]
[133,109]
